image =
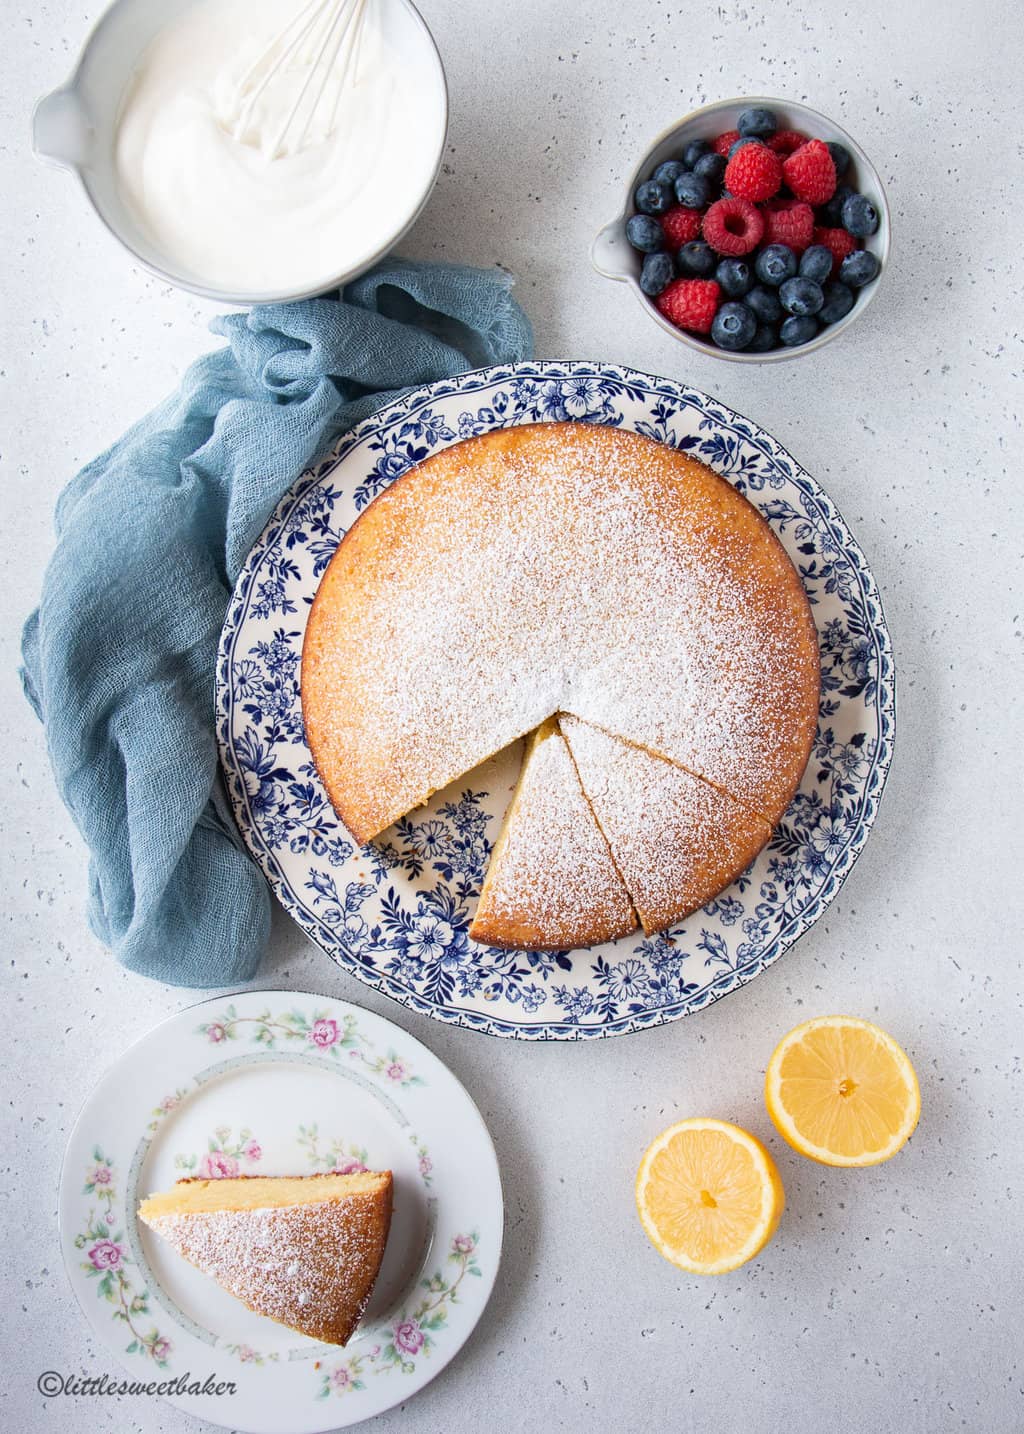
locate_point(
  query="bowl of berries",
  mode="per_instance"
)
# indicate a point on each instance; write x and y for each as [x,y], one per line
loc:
[754,230]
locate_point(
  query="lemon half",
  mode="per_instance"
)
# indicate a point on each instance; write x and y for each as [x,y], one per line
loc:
[709,1196]
[841,1091]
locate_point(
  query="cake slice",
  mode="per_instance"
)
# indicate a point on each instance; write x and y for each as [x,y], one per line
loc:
[677,840]
[303,1250]
[551,883]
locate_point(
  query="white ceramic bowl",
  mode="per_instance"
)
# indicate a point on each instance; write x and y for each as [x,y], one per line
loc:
[75,127]
[615,258]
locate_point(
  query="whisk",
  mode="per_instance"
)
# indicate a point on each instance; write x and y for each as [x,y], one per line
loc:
[318,50]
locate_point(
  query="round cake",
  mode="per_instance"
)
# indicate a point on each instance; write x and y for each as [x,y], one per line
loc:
[571,570]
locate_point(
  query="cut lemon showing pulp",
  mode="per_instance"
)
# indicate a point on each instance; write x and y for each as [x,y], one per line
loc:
[709,1196]
[842,1091]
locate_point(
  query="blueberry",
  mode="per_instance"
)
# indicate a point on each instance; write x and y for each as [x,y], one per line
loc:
[697,259]
[734,326]
[712,168]
[831,214]
[766,337]
[775,264]
[692,191]
[801,296]
[765,304]
[757,122]
[669,172]
[657,273]
[734,277]
[816,263]
[645,233]
[653,197]
[840,156]
[839,300]
[859,268]
[693,151]
[860,216]
[798,329]
[743,139]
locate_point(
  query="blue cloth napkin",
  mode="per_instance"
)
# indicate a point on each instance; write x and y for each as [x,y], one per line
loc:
[119,657]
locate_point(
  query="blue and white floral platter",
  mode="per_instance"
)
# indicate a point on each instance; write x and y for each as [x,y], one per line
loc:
[396,913]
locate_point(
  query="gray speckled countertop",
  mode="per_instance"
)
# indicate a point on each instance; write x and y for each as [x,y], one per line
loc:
[890,1299]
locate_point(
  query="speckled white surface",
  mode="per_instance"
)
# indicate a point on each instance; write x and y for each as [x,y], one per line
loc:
[890,1299]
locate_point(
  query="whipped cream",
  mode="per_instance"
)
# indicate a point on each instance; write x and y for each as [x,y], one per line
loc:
[216,203]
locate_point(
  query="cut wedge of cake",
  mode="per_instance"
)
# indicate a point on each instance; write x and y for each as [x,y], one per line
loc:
[303,1250]
[677,840]
[551,883]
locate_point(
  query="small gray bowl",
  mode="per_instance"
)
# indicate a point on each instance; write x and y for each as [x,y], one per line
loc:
[614,257]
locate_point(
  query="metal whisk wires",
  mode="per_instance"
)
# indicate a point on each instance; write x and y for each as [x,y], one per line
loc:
[319,51]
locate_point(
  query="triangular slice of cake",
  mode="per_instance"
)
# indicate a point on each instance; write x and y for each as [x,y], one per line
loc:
[303,1250]
[677,840]
[551,883]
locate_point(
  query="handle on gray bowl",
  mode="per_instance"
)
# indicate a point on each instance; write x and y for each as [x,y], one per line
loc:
[61,131]
[610,253]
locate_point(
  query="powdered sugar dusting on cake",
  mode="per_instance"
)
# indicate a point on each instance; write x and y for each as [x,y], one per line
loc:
[311,1266]
[557,567]
[551,875]
[676,839]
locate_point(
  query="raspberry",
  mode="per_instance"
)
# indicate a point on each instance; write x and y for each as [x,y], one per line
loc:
[810,172]
[789,221]
[690,304]
[838,242]
[754,172]
[680,225]
[733,226]
[785,141]
[725,142]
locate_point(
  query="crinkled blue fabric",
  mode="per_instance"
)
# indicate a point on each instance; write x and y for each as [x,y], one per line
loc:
[119,656]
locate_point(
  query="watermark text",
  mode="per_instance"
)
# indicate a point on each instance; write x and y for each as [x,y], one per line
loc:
[50,1384]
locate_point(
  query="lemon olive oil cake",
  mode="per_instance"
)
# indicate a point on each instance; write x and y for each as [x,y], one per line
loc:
[560,568]
[676,839]
[551,881]
[304,1250]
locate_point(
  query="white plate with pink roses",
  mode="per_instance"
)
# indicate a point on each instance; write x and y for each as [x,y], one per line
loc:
[280,1083]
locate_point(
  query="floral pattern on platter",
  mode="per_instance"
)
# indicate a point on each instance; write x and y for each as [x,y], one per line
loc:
[396,913]
[424,1163]
[166,1106]
[341,1157]
[411,1335]
[245,1354]
[108,1262]
[316,1032]
[336,1156]
[224,1157]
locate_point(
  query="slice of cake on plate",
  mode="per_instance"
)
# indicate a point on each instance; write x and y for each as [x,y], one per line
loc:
[303,1250]
[677,840]
[551,883]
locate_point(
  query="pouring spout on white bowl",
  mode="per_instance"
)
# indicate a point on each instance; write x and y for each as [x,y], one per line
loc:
[61,130]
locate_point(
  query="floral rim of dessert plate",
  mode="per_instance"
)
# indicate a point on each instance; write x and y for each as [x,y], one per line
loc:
[396,913]
[280,1082]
